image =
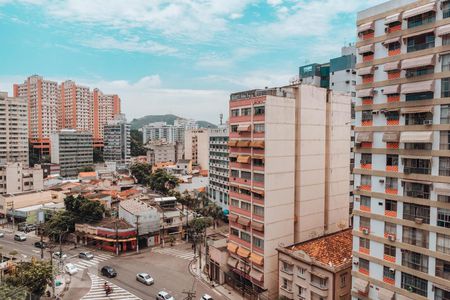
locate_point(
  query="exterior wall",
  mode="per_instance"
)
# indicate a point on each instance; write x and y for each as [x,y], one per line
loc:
[14,131]
[196,147]
[75,107]
[162,131]
[29,199]
[161,152]
[218,167]
[117,143]
[16,178]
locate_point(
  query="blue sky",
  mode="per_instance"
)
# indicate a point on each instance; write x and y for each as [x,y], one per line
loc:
[181,56]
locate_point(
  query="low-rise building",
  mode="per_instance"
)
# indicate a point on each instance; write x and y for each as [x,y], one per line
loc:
[185,166]
[161,151]
[317,269]
[16,178]
[196,147]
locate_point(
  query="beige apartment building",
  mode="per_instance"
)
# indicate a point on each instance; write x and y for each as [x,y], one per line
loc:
[196,147]
[401,244]
[317,269]
[18,178]
[13,129]
[289,161]
[75,107]
[161,151]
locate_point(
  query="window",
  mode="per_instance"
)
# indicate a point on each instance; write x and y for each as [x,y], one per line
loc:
[365,201]
[258,210]
[258,177]
[446,40]
[445,63]
[414,260]
[418,119]
[445,9]
[318,281]
[364,222]
[234,232]
[420,42]
[343,280]
[422,19]
[394,46]
[286,268]
[445,114]
[245,236]
[442,268]
[414,284]
[444,140]
[301,272]
[392,160]
[443,217]
[246,111]
[286,284]
[235,112]
[364,264]
[234,202]
[366,180]
[391,183]
[246,175]
[367,115]
[392,115]
[234,128]
[235,173]
[389,250]
[443,243]
[260,110]
[245,205]
[390,228]
[440,294]
[418,146]
[415,236]
[417,190]
[301,291]
[257,242]
[419,96]
[390,205]
[417,166]
[414,211]
[443,198]
[364,243]
[389,273]
[258,128]
[366,158]
[444,166]
[419,71]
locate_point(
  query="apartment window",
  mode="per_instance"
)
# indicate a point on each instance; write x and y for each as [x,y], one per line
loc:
[422,19]
[286,268]
[413,212]
[246,111]
[364,243]
[443,243]
[234,128]
[366,158]
[419,71]
[440,294]
[443,198]
[392,116]
[234,202]
[444,166]
[343,279]
[260,110]
[391,160]
[286,284]
[417,190]
[389,273]
[235,112]
[446,40]
[444,140]
[234,231]
[390,228]
[445,64]
[301,291]
[246,175]
[445,9]
[366,180]
[301,272]
[234,173]
[258,177]
[443,217]
[394,46]
[417,166]
[418,146]
[318,281]
[257,242]
[367,115]
[414,284]
[391,183]
[390,205]
[420,42]
[419,96]
[353,113]
[414,260]
[418,119]
[365,201]
[364,222]
[389,250]
[415,236]
[245,236]
[445,114]
[245,206]
[258,210]
[364,264]
[258,128]
[442,269]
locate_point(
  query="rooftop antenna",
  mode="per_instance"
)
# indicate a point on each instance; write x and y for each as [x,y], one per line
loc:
[221,118]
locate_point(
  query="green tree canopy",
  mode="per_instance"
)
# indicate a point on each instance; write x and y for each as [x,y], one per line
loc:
[34,276]
[84,210]
[142,172]
[136,145]
[162,182]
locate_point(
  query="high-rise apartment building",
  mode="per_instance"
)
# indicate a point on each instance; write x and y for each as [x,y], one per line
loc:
[117,141]
[72,150]
[162,131]
[75,107]
[16,178]
[13,129]
[218,167]
[401,245]
[43,98]
[104,109]
[289,161]
[196,147]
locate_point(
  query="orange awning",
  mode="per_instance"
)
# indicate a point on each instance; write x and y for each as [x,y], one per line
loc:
[243,143]
[244,127]
[258,226]
[257,144]
[243,159]
[232,247]
[242,252]
[244,221]
[259,192]
[232,218]
[232,143]
[257,259]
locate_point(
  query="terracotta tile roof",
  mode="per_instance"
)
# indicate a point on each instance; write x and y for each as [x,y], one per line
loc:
[128,193]
[87,174]
[334,249]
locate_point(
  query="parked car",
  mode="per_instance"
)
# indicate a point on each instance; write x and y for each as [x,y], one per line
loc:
[26,227]
[70,269]
[20,237]
[108,272]
[40,245]
[86,255]
[206,297]
[59,255]
[2,234]
[145,278]
[164,296]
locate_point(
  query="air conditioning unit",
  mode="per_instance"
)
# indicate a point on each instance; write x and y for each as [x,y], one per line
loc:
[365,231]
[358,187]
[418,220]
[356,263]
[381,181]
[392,270]
[391,237]
[428,122]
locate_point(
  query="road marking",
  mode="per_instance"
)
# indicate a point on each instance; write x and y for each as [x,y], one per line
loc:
[97,291]
[82,264]
[183,254]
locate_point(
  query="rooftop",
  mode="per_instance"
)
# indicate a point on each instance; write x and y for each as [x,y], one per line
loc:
[111,223]
[87,174]
[333,250]
[136,207]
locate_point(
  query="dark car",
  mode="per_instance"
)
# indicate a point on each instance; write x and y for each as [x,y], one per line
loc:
[40,245]
[108,272]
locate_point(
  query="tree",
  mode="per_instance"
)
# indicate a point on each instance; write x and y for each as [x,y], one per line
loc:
[199,225]
[142,172]
[162,182]
[87,169]
[34,276]
[61,221]
[214,211]
[84,210]
[136,144]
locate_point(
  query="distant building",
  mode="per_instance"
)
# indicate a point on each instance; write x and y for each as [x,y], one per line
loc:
[51,169]
[185,166]
[105,108]
[75,107]
[162,131]
[14,129]
[317,269]
[196,147]
[161,151]
[117,141]
[218,167]
[16,178]
[72,150]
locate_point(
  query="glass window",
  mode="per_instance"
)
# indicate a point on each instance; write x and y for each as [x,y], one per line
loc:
[444,166]
[440,294]
[392,115]
[446,40]
[367,115]
[245,205]
[258,210]
[389,273]
[364,264]
[414,284]
[343,280]
[390,228]
[246,175]
[415,236]
[366,158]
[445,63]
[389,250]
[420,42]
[365,201]
[234,231]
[443,243]
[246,111]
[390,205]
[318,281]
[422,19]
[364,243]
[258,128]
[445,114]
[258,177]
[414,211]
[443,218]
[443,198]
[366,180]
[257,242]
[394,46]
[364,222]
[234,202]
[414,260]
[419,96]
[445,9]
[234,128]
[443,269]
[235,112]
[245,236]
[392,160]
[259,110]
[444,140]
[391,183]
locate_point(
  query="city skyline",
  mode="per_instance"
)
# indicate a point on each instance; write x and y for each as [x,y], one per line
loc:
[157,65]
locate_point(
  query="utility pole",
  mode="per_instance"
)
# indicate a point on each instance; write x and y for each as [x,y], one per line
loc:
[11,204]
[117,237]
[42,240]
[137,233]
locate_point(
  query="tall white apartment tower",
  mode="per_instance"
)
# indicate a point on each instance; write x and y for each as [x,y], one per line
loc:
[401,244]
[14,129]
[117,141]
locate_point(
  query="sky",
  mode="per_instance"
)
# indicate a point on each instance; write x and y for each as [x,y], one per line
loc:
[178,56]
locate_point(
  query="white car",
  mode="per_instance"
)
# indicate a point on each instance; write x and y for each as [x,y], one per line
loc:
[70,269]
[2,234]
[206,297]
[58,255]
[164,296]
[145,278]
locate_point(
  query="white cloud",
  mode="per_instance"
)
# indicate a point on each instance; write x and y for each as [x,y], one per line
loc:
[254,79]
[274,2]
[128,45]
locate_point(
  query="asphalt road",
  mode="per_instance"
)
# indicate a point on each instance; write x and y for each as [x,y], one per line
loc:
[26,248]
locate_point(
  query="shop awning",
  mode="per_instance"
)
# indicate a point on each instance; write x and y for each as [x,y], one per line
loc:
[384,294]
[364,137]
[232,262]
[391,137]
[392,66]
[366,49]
[417,33]
[232,247]
[244,221]
[391,89]
[417,110]
[243,127]
[419,10]
[393,18]
[415,157]
[360,285]
[257,144]
[417,62]
[364,93]
[418,87]
[232,218]
[243,144]
[232,143]
[257,275]
[416,137]
[258,226]
[365,71]
[257,259]
[366,26]
[443,30]
[100,238]
[242,252]
[243,159]
[244,267]
[390,41]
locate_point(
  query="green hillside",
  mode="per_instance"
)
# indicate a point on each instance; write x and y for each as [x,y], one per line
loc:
[169,119]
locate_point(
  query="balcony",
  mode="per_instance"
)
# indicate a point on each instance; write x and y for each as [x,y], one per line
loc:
[240,196]
[416,170]
[392,168]
[236,165]
[391,191]
[236,119]
[390,213]
[240,180]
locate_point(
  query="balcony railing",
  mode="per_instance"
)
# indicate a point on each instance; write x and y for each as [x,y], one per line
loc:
[417,194]
[418,47]
[415,170]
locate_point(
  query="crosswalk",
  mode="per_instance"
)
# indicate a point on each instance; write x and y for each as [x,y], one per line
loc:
[183,254]
[98,258]
[97,291]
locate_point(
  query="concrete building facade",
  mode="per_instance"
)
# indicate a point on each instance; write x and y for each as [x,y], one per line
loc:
[161,151]
[75,107]
[117,141]
[72,150]
[104,109]
[218,167]
[163,131]
[401,245]
[18,178]
[14,129]
[196,147]
[289,176]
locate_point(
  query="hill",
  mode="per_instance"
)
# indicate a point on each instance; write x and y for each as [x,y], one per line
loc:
[169,119]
